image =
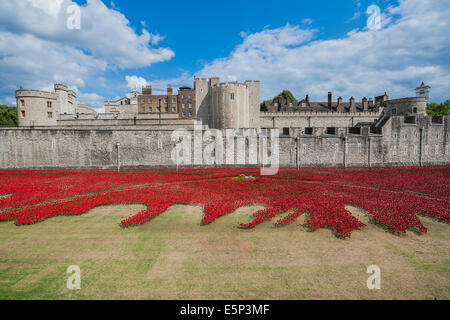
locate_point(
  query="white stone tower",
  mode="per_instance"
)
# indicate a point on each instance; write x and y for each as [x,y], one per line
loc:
[423,91]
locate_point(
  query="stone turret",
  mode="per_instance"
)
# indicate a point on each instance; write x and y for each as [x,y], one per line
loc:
[423,91]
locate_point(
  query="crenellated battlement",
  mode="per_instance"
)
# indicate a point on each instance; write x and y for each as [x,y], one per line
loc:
[320,114]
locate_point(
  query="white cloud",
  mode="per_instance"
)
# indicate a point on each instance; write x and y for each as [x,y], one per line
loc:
[411,47]
[135,83]
[307,21]
[92,100]
[160,85]
[37,49]
[355,16]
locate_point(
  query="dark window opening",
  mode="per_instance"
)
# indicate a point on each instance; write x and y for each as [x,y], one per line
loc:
[410,120]
[285,131]
[309,131]
[376,130]
[437,119]
[355,130]
[331,130]
[415,110]
[394,111]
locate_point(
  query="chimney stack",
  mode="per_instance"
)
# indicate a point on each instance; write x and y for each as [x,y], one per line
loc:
[370,103]
[307,99]
[365,104]
[147,90]
[330,99]
[340,106]
[169,90]
[352,105]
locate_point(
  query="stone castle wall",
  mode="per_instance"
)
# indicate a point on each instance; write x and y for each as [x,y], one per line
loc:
[94,147]
[315,119]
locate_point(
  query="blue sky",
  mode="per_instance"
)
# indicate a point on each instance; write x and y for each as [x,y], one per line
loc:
[308,47]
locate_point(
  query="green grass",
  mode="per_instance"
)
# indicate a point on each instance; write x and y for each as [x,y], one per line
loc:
[174,257]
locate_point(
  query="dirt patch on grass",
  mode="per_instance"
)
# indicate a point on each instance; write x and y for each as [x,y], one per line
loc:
[117,210]
[192,214]
[359,213]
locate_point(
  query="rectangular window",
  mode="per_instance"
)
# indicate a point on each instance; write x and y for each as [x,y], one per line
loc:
[173,100]
[183,105]
[190,96]
[183,114]
[190,114]
[285,131]
[331,130]
[182,96]
[166,109]
[49,115]
[415,110]
[143,100]
[232,96]
[174,109]
[143,109]
[149,100]
[355,130]
[22,103]
[159,109]
[23,113]
[49,104]
[190,105]
[309,131]
[394,111]
[165,100]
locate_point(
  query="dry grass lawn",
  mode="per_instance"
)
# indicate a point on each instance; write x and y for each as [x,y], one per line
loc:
[174,257]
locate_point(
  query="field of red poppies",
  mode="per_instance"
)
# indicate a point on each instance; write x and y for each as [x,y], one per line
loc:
[393,197]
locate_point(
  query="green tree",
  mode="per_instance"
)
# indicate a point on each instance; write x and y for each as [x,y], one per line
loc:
[287,94]
[8,116]
[262,107]
[439,109]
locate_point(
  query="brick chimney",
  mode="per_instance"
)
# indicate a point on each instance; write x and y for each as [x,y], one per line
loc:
[340,106]
[330,99]
[370,103]
[352,105]
[169,90]
[147,90]
[365,104]
[307,99]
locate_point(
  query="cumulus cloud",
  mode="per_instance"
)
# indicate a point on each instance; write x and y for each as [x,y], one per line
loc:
[412,46]
[159,85]
[37,48]
[92,100]
[135,83]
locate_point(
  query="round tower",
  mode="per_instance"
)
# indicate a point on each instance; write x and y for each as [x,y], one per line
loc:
[66,99]
[36,108]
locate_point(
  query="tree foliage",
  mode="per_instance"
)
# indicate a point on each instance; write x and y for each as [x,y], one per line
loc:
[287,94]
[439,109]
[8,116]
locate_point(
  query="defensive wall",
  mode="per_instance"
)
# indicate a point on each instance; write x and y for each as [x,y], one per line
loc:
[401,141]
